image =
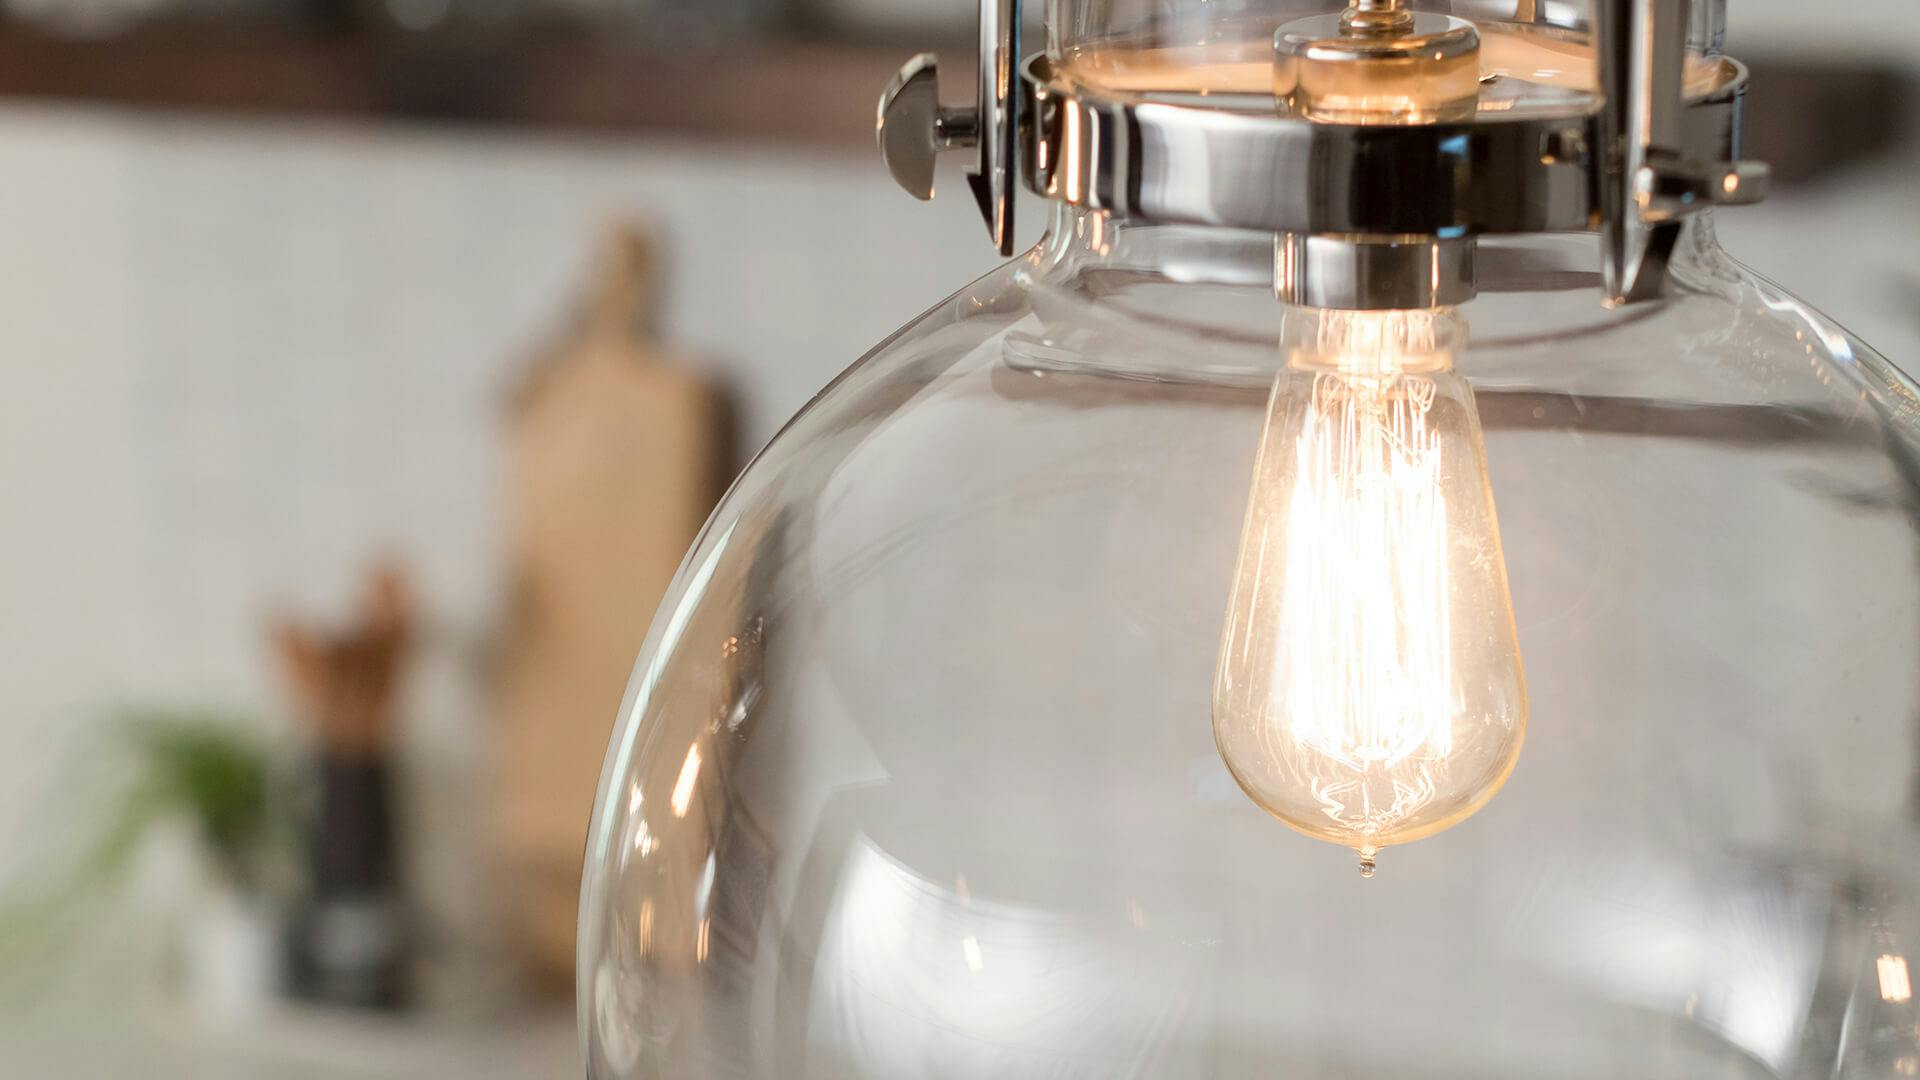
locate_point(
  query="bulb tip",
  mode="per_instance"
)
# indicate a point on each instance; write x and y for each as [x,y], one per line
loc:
[1367,864]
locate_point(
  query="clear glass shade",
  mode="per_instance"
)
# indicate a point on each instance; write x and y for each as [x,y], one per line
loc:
[918,772]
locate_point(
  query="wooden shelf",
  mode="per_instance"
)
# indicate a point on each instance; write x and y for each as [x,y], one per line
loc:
[1805,117]
[794,90]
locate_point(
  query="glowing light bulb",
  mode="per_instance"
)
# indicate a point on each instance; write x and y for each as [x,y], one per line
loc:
[1370,690]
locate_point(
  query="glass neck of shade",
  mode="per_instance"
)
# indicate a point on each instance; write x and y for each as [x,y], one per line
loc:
[1092,252]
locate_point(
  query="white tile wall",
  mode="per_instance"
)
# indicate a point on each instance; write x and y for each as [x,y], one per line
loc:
[240,361]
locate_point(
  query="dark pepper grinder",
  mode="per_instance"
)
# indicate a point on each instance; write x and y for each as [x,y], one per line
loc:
[347,941]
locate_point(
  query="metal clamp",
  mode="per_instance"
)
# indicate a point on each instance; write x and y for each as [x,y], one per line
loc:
[1644,183]
[913,128]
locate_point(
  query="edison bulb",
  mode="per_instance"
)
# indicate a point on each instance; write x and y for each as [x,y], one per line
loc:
[1369,689]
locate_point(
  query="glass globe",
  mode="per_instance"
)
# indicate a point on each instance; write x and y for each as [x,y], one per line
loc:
[916,774]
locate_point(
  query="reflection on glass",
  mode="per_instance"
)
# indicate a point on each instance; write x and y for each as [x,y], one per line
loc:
[1894,986]
[683,786]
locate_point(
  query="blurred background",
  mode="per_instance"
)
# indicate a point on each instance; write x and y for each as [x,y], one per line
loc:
[370,363]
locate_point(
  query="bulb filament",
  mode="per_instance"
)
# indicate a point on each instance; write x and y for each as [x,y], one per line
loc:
[1369,690]
[1367,658]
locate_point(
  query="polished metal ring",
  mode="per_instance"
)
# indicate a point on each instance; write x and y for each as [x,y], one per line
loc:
[1159,162]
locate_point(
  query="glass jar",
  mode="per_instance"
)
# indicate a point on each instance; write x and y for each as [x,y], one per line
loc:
[1227,46]
[1077,24]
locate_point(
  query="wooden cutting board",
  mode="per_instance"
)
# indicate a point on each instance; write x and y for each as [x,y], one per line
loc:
[616,454]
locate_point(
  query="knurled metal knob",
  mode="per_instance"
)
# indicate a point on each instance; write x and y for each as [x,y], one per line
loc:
[913,128]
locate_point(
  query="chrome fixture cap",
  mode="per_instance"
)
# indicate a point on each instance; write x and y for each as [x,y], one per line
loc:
[1357,203]
[1372,273]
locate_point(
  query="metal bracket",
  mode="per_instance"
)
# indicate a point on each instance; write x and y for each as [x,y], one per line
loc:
[913,128]
[1644,184]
